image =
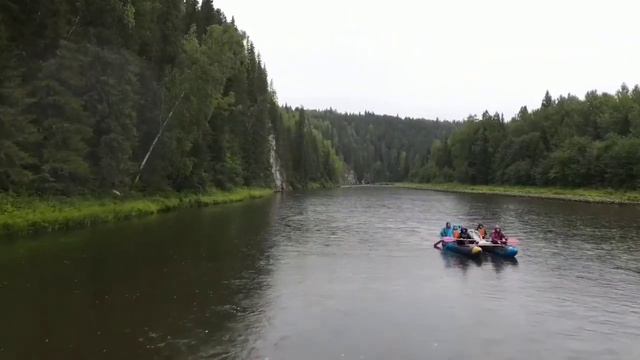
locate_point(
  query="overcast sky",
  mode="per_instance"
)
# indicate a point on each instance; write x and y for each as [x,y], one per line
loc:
[445,59]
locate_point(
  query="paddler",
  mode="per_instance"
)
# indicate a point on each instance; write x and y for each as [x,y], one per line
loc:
[498,237]
[464,234]
[456,231]
[465,237]
[481,231]
[446,232]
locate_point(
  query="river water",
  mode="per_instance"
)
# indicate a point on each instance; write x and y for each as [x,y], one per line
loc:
[342,274]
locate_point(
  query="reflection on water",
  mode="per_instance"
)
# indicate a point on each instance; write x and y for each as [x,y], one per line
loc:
[462,262]
[159,286]
[346,274]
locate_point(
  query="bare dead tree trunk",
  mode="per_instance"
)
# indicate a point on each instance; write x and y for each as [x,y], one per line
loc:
[155,141]
[75,23]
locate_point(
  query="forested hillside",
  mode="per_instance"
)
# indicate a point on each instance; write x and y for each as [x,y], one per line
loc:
[381,148]
[158,95]
[568,141]
[87,85]
[355,148]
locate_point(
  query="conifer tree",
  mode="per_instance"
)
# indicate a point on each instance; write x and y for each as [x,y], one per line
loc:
[17,133]
[63,123]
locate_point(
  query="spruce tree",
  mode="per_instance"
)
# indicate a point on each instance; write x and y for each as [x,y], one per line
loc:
[547,101]
[206,17]
[17,133]
[63,123]
[190,15]
[112,98]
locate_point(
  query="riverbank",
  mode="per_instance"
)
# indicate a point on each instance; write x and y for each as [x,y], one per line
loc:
[19,215]
[584,195]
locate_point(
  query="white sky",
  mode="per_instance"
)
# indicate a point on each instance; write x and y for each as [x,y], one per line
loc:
[444,59]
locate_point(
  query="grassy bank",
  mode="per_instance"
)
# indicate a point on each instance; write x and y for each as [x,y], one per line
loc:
[19,215]
[586,195]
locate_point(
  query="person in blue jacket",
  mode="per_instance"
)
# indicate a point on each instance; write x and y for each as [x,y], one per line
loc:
[446,232]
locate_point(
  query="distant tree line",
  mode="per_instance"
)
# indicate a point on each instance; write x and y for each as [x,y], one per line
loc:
[568,141]
[380,148]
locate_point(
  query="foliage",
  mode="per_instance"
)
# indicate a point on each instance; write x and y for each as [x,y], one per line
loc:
[569,142]
[86,85]
[379,148]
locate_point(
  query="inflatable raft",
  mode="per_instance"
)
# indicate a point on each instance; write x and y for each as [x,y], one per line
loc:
[466,249]
[498,249]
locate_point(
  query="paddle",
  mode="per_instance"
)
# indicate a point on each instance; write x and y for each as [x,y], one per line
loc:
[513,241]
[450,239]
[510,241]
[443,241]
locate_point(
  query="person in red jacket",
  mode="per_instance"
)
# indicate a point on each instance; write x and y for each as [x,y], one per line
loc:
[498,237]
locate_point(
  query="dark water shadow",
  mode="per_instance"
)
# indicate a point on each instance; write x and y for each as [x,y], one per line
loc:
[499,263]
[165,286]
[453,260]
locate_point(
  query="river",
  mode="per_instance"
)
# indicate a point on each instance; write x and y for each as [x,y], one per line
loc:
[342,274]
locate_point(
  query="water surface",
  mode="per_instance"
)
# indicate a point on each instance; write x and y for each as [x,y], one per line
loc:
[343,274]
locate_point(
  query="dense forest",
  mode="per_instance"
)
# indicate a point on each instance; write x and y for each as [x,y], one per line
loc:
[568,141]
[87,86]
[169,95]
[157,95]
[380,148]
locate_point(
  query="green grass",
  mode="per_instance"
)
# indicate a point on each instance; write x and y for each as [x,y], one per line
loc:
[20,215]
[586,195]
